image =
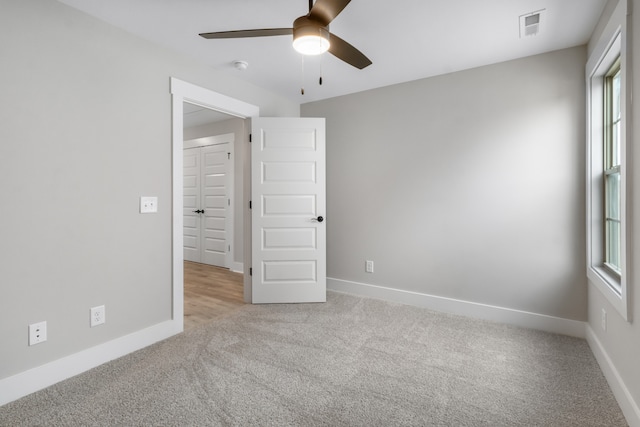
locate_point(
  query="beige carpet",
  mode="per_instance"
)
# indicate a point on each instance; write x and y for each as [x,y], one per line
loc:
[350,362]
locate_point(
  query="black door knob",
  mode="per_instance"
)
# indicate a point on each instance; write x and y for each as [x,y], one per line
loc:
[319,219]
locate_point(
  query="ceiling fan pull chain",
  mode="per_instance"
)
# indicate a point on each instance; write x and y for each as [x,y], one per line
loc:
[302,79]
[320,80]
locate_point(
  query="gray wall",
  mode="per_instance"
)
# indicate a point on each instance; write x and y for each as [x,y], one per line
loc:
[621,340]
[86,131]
[468,185]
[241,148]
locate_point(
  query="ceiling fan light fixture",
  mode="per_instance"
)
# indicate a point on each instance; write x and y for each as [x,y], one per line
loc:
[311,45]
[310,37]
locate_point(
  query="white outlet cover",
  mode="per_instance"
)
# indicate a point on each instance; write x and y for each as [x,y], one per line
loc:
[368,267]
[37,333]
[148,204]
[98,315]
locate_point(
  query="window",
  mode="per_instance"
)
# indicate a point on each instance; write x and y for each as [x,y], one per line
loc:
[607,269]
[612,125]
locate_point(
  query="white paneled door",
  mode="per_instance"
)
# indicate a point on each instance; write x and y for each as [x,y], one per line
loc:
[206,204]
[191,205]
[288,210]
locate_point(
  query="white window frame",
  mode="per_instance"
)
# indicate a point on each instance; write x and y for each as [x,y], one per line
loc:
[611,166]
[613,286]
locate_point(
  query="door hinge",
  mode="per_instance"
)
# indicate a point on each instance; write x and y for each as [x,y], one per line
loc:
[250,205]
[250,138]
[228,156]
[228,202]
[229,248]
[251,272]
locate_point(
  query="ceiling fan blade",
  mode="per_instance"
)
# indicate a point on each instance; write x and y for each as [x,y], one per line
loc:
[265,32]
[349,54]
[325,11]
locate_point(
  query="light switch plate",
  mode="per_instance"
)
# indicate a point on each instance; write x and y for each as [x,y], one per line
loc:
[148,204]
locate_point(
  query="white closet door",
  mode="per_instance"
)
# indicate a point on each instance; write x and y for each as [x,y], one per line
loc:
[191,203]
[207,202]
[215,203]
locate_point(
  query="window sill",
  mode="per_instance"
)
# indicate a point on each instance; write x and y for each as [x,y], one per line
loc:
[610,285]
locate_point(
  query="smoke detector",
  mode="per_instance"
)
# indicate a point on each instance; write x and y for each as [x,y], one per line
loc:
[240,65]
[530,23]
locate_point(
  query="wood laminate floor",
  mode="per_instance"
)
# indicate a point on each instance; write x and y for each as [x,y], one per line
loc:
[210,292]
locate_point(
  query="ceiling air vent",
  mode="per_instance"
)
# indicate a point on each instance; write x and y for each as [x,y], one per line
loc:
[530,23]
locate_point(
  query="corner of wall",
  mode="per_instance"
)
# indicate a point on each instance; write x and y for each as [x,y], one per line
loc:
[620,390]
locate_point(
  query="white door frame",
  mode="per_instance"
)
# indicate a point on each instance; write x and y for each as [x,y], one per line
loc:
[183,91]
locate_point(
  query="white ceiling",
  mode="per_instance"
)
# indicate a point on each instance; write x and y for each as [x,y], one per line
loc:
[406,40]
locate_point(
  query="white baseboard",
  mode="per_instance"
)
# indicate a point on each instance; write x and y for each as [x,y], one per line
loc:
[524,319]
[27,382]
[237,267]
[628,406]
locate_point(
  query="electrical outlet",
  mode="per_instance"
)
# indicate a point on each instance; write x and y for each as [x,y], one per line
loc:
[37,333]
[148,204]
[603,320]
[98,316]
[368,266]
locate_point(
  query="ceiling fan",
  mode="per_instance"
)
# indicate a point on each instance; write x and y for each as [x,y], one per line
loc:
[311,34]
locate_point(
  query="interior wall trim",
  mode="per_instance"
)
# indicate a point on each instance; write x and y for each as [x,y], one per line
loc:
[181,92]
[629,407]
[38,378]
[474,310]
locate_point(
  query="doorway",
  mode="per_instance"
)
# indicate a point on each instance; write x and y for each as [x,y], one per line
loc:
[211,287]
[184,92]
